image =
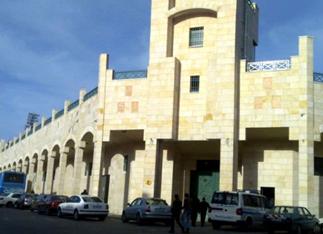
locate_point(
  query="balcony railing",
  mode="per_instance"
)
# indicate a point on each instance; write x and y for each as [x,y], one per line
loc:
[90,94]
[130,75]
[277,65]
[73,105]
[59,114]
[318,77]
[48,121]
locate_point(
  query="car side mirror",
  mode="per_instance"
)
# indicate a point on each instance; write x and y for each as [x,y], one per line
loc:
[128,204]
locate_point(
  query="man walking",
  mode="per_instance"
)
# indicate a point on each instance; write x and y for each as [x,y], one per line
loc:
[204,206]
[176,212]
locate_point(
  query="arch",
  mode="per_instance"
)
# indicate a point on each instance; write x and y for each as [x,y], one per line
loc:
[177,15]
[4,168]
[87,130]
[87,136]
[69,139]
[14,166]
[9,167]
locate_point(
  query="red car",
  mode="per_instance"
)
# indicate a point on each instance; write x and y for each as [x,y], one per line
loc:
[49,204]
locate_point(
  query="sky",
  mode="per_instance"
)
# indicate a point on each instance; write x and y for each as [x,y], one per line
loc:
[49,49]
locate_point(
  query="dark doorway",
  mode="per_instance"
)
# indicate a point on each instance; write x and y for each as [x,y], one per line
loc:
[269,193]
[205,179]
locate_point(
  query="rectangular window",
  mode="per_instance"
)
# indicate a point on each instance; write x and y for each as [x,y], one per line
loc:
[195,84]
[196,37]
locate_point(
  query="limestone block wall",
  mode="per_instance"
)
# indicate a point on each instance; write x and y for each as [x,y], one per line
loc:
[72,125]
[318,110]
[271,164]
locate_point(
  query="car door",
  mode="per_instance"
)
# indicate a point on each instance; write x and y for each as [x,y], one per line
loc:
[131,210]
[309,219]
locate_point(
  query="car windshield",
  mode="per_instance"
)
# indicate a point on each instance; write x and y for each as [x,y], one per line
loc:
[286,210]
[225,198]
[156,202]
[92,199]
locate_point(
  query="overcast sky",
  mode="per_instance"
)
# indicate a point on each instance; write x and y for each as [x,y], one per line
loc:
[49,49]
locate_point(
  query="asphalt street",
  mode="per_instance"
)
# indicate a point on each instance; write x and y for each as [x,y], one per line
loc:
[14,221]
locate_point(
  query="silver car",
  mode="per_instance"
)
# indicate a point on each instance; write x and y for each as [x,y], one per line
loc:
[83,206]
[147,209]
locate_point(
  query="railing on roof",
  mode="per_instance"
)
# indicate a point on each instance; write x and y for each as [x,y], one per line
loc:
[30,132]
[318,77]
[59,114]
[47,121]
[23,136]
[277,65]
[90,94]
[130,75]
[38,127]
[73,105]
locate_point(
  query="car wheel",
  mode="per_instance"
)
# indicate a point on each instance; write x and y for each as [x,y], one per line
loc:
[9,204]
[102,218]
[215,225]
[317,229]
[298,229]
[124,217]
[59,213]
[138,219]
[48,212]
[16,205]
[76,215]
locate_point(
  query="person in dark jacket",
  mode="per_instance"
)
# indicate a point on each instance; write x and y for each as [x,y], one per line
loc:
[84,192]
[187,212]
[176,213]
[195,210]
[204,206]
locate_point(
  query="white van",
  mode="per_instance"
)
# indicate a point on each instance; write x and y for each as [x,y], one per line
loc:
[244,209]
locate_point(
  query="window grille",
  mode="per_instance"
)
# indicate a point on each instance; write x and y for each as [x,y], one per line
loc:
[195,84]
[196,37]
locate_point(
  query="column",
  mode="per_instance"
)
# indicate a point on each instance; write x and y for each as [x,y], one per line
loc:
[167,175]
[78,163]
[62,169]
[25,168]
[96,168]
[228,165]
[50,172]
[149,187]
[39,175]
[31,175]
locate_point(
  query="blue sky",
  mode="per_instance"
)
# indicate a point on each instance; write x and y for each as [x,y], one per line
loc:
[49,49]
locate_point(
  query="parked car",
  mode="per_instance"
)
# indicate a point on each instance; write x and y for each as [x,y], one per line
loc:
[243,209]
[147,209]
[50,203]
[9,200]
[24,201]
[35,201]
[83,206]
[293,219]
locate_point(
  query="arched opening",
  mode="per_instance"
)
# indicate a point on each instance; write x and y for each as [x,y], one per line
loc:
[14,166]
[19,169]
[69,168]
[42,172]
[9,167]
[87,161]
[33,172]
[26,170]
[55,177]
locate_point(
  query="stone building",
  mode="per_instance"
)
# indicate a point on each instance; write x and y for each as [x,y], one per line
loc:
[203,117]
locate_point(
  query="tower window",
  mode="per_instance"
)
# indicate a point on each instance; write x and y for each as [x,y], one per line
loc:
[196,37]
[195,84]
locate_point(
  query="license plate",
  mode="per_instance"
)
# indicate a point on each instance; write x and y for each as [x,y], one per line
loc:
[97,207]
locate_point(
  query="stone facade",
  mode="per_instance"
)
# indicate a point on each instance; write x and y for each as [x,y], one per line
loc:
[145,133]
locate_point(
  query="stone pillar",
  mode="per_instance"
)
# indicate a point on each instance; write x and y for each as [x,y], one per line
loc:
[78,163]
[39,175]
[50,172]
[167,175]
[96,168]
[25,168]
[151,149]
[62,169]
[31,174]
[228,165]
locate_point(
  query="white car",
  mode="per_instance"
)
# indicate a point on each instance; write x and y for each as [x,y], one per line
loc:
[9,199]
[83,206]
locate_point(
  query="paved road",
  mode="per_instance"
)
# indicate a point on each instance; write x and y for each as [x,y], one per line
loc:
[14,221]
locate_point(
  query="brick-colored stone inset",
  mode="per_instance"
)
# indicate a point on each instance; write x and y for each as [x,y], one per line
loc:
[134,107]
[121,107]
[128,91]
[268,83]
[276,102]
[259,102]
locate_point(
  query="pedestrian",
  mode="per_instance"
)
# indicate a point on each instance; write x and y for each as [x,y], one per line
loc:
[186,215]
[176,213]
[84,192]
[204,206]
[195,210]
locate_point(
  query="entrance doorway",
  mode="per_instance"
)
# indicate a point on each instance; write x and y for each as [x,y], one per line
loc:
[205,179]
[269,193]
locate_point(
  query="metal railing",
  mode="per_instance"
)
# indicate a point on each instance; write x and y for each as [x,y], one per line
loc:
[38,127]
[73,105]
[276,65]
[59,114]
[90,94]
[318,77]
[48,121]
[140,74]
[30,132]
